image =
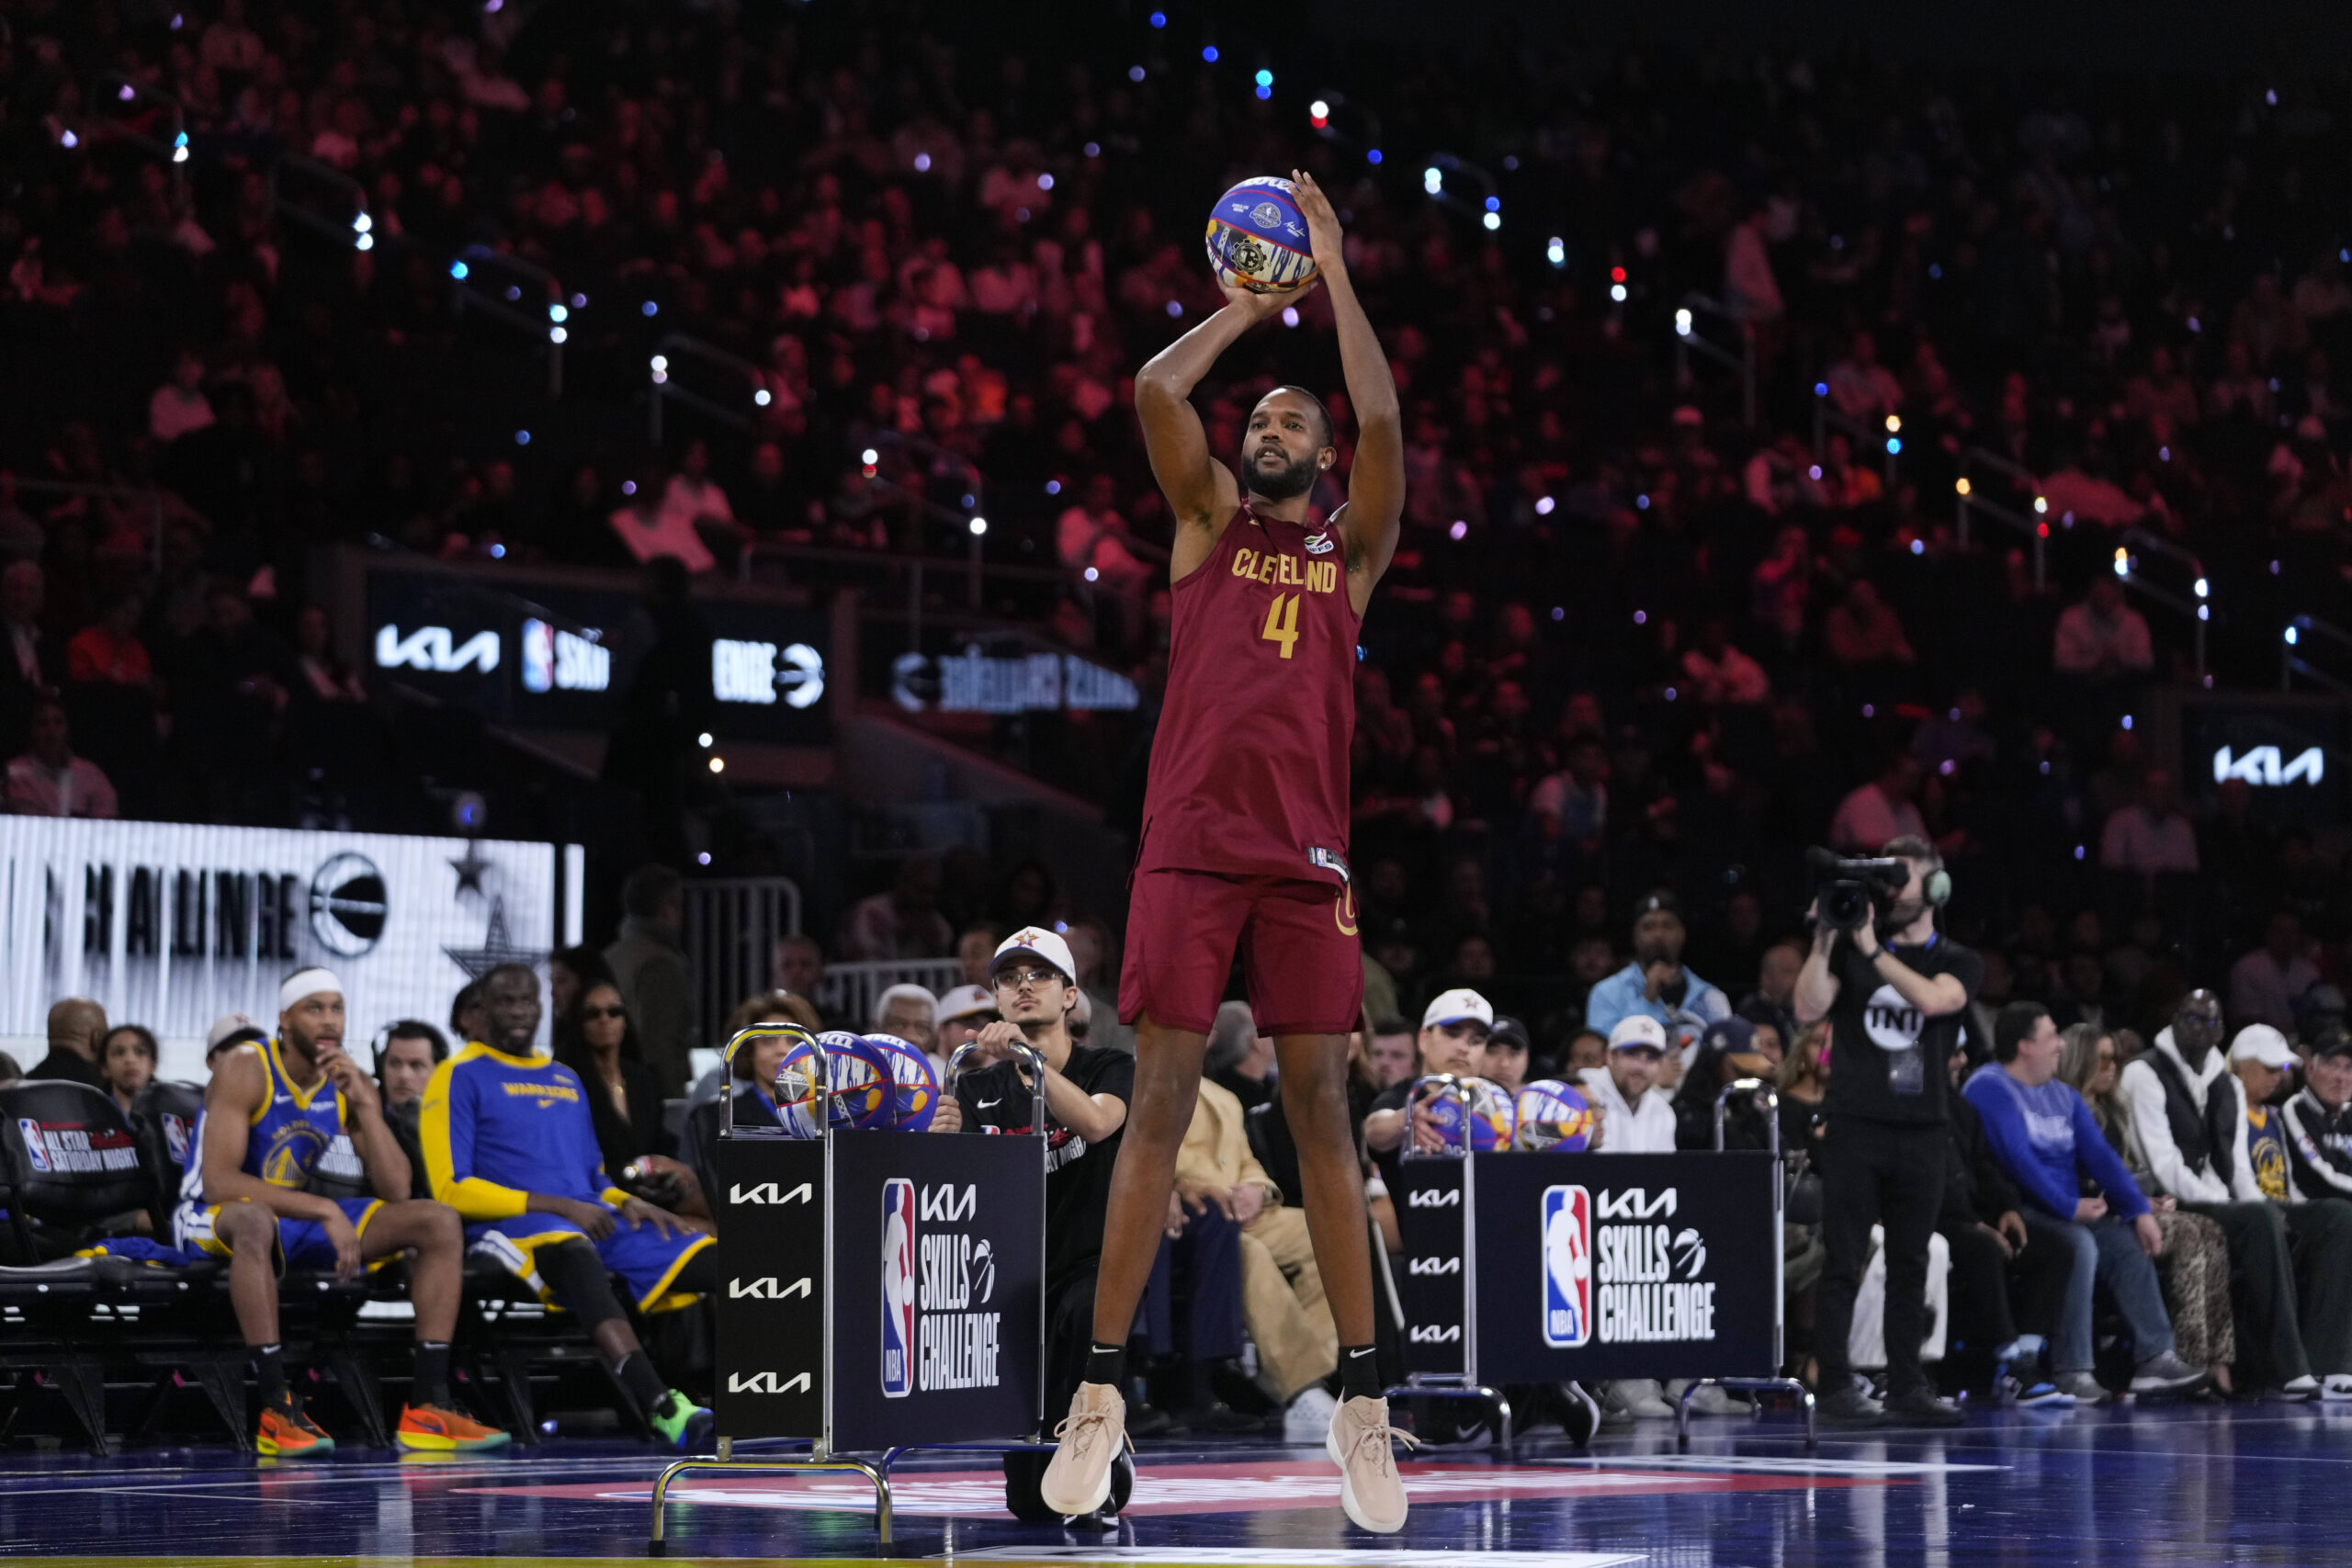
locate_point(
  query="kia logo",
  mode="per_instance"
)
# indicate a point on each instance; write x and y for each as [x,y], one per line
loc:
[1430,1197]
[1430,1334]
[1437,1266]
[766,1383]
[766,1289]
[769,1193]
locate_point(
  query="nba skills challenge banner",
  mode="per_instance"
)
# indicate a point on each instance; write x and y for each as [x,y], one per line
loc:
[172,925]
[919,1319]
[1548,1265]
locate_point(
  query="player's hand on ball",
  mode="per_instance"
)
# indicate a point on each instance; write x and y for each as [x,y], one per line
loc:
[1323,235]
[1258,306]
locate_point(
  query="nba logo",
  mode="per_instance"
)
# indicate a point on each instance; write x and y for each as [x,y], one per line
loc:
[175,1137]
[898,1288]
[538,656]
[1567,1267]
[36,1146]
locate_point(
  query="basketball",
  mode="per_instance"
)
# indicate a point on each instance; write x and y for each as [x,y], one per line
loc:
[1491,1118]
[915,1099]
[1257,237]
[799,1089]
[1554,1116]
[860,1081]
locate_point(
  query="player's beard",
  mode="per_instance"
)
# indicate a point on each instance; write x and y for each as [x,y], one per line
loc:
[1294,479]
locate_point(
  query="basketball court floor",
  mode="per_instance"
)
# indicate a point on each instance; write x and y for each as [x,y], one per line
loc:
[2253,1484]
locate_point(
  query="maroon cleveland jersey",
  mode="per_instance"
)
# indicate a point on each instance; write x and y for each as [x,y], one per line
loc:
[1249,766]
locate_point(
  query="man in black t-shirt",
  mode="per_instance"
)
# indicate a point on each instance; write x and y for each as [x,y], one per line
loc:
[1894,992]
[1087,1091]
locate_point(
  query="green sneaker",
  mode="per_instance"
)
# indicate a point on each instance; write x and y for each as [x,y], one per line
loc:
[681,1423]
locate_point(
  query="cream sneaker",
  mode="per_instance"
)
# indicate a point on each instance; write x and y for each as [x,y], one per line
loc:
[1078,1481]
[1370,1489]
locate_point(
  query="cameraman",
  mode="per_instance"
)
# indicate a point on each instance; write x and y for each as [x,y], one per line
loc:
[1893,990]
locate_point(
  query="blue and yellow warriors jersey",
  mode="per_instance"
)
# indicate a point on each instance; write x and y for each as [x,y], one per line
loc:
[2266,1148]
[496,1128]
[294,1132]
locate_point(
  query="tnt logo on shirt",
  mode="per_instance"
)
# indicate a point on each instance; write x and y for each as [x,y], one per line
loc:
[1567,1267]
[1893,1023]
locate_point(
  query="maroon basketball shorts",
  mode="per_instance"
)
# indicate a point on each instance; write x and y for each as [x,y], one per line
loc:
[1300,956]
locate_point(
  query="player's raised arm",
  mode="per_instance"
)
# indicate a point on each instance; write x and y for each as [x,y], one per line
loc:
[1376,482]
[1202,492]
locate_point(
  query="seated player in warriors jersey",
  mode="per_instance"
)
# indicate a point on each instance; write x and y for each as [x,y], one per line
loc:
[509,1143]
[274,1109]
[1245,837]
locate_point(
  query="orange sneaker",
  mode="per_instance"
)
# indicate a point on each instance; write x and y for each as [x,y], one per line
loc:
[286,1431]
[435,1428]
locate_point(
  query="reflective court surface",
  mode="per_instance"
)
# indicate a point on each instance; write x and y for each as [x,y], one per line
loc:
[2249,1483]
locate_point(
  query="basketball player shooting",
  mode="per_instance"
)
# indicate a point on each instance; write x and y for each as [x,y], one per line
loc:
[1245,837]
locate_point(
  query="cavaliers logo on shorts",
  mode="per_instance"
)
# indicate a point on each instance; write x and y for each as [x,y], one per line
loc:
[1344,911]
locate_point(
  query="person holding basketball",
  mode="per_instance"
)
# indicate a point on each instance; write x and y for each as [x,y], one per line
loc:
[1245,836]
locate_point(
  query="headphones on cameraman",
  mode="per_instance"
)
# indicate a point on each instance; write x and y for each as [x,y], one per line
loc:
[1936,886]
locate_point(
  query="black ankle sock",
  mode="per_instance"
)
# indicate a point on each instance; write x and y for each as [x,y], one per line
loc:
[1358,1373]
[1107,1363]
[644,1384]
[269,1373]
[430,1385]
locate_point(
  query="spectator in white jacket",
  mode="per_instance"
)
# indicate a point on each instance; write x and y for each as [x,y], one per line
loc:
[2188,1114]
[1637,1115]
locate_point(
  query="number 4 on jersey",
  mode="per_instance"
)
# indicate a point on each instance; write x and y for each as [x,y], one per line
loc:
[1281,622]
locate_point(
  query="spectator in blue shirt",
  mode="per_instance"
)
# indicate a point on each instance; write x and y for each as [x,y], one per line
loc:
[1655,983]
[2045,1138]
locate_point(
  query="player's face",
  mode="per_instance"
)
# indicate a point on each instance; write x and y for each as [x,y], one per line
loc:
[1283,449]
[510,1004]
[315,1024]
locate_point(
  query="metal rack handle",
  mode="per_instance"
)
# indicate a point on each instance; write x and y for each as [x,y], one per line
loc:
[1771,1111]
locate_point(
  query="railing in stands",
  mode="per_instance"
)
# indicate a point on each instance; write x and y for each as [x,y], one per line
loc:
[847,991]
[733,927]
[2302,632]
[1970,501]
[113,88]
[475,284]
[1688,341]
[668,357]
[331,203]
[1827,419]
[2196,605]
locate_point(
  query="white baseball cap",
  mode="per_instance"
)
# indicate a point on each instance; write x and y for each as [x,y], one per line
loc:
[1635,1030]
[230,1026]
[2260,1043]
[1461,1004]
[964,1001]
[1038,943]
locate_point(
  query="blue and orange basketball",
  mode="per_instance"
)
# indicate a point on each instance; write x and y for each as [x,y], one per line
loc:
[1492,1121]
[1257,237]
[915,1097]
[1554,1116]
[861,1089]
[800,1089]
